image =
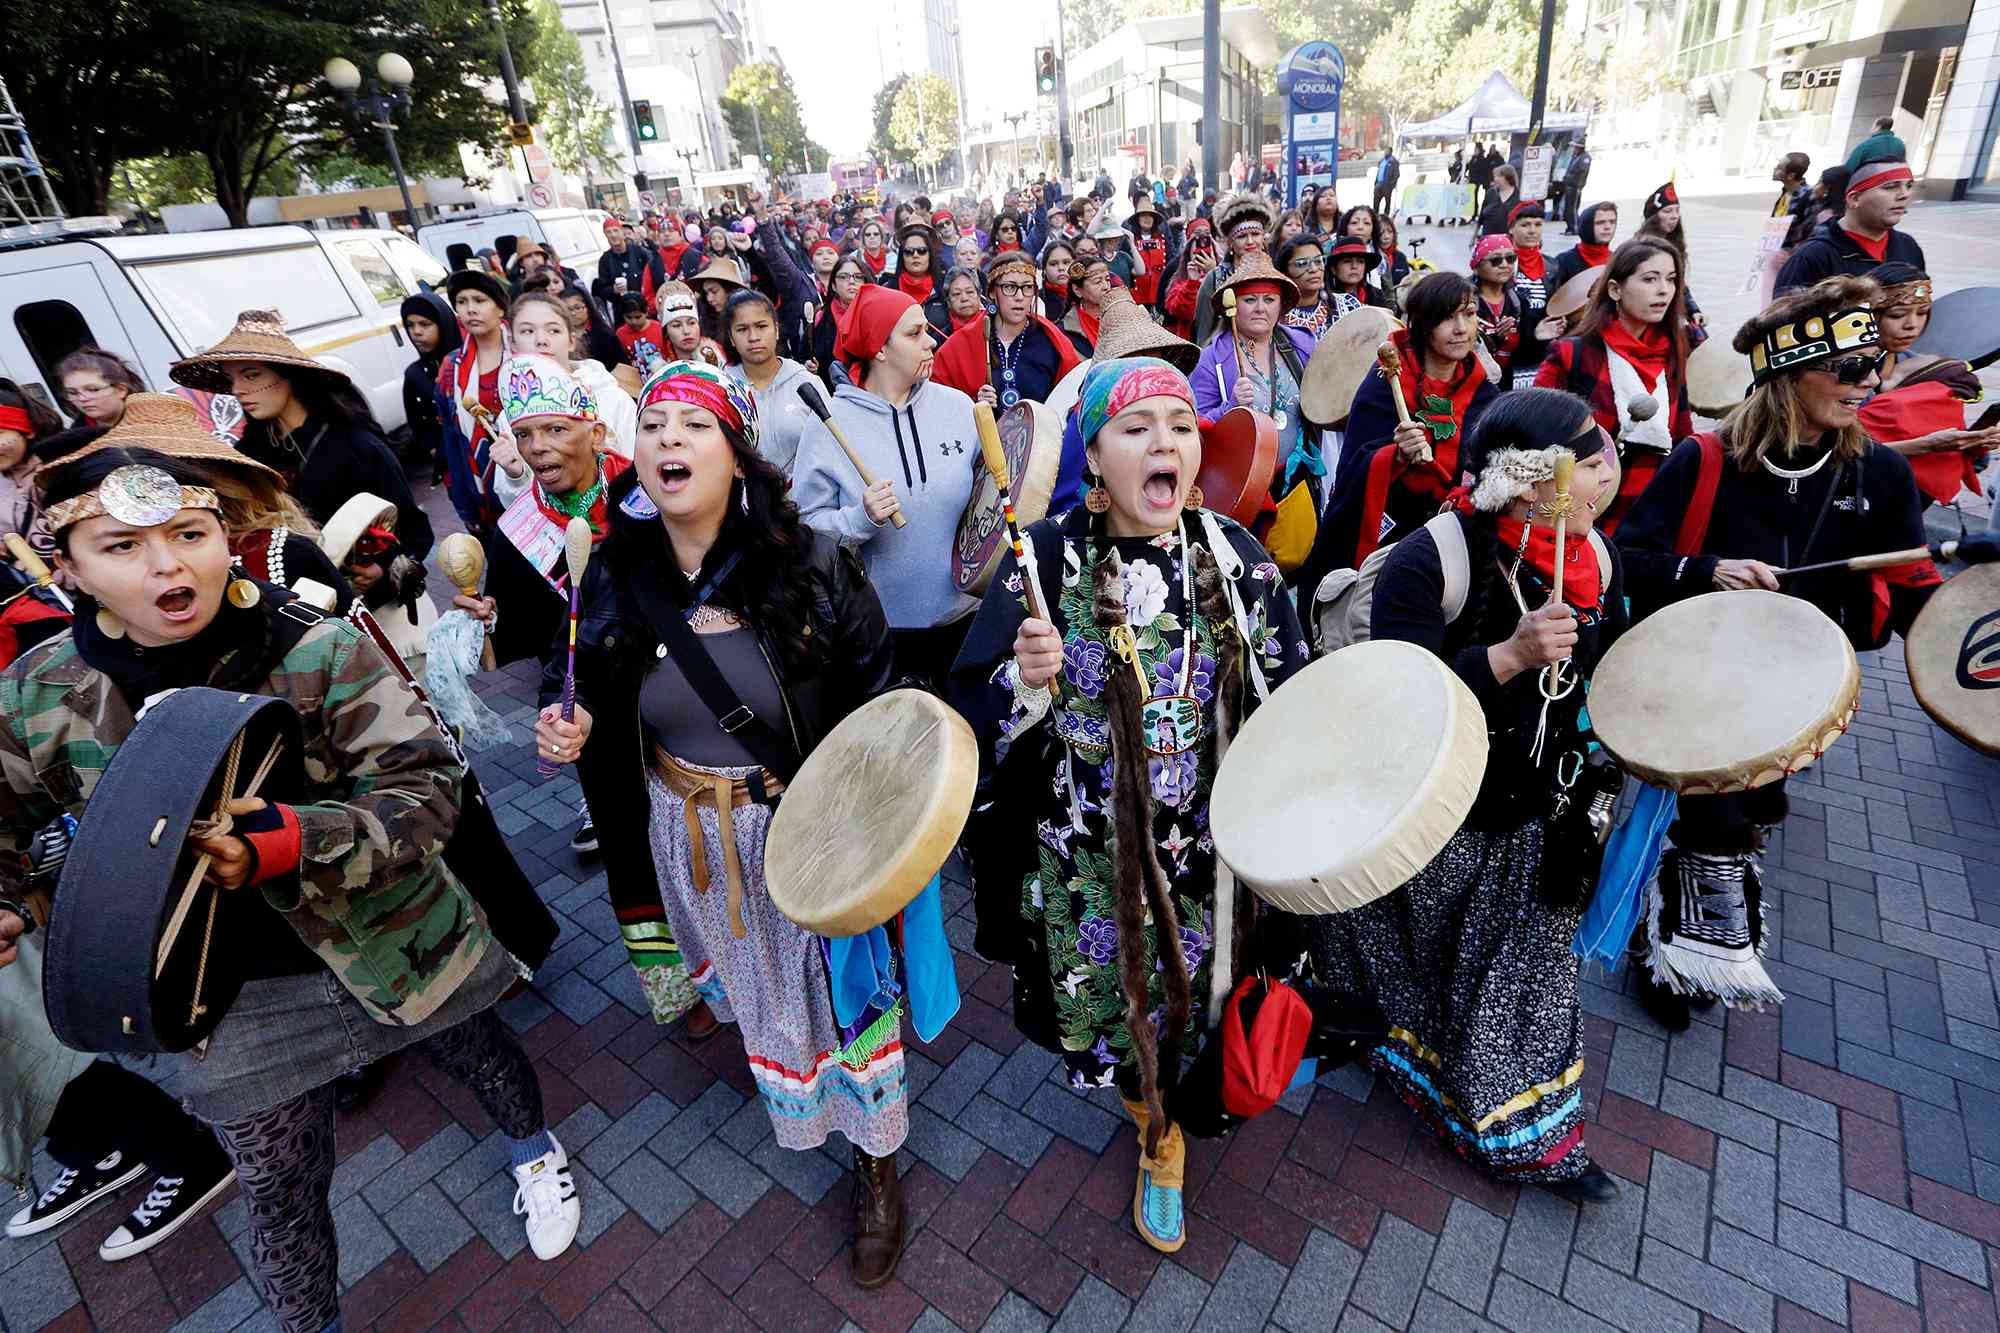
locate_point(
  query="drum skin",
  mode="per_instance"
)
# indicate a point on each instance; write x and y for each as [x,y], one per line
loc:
[872,814]
[1318,808]
[1718,376]
[1239,456]
[121,882]
[1725,691]
[1342,360]
[1068,389]
[1031,435]
[1574,295]
[1953,654]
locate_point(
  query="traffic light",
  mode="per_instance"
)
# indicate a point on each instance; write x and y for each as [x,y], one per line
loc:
[643,113]
[1045,70]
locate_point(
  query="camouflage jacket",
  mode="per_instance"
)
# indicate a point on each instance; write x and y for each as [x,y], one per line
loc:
[374,899]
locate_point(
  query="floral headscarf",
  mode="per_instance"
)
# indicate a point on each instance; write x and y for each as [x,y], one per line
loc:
[704,386]
[535,386]
[1112,386]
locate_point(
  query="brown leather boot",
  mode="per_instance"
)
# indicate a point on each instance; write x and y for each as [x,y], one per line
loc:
[878,1219]
[701,1022]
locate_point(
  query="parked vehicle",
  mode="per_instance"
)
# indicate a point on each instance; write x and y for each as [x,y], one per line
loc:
[576,235]
[156,299]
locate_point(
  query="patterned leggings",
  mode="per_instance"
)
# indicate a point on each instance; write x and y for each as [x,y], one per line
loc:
[284,1162]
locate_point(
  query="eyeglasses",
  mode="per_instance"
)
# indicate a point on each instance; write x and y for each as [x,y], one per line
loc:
[1014,289]
[85,390]
[1305,263]
[1851,370]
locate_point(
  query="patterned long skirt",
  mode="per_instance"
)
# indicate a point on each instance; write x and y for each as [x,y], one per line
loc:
[1476,976]
[772,984]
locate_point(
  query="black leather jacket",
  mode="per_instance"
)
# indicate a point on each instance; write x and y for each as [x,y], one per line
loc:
[617,643]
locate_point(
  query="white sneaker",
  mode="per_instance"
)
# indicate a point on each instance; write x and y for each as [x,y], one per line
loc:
[545,1193]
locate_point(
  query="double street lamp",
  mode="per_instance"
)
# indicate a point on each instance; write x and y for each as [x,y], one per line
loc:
[378,107]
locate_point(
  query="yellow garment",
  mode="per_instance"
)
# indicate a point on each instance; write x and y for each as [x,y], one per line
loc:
[1290,539]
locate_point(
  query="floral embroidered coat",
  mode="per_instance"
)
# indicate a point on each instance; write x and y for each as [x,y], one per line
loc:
[1050,904]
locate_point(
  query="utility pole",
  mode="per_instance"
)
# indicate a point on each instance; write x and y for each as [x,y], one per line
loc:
[1063,144]
[1541,98]
[958,64]
[624,97]
[1211,95]
[516,108]
[701,103]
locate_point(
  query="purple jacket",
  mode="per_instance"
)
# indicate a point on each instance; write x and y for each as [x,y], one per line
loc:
[1214,378]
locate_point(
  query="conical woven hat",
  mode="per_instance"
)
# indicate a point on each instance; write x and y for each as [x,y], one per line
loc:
[259,336]
[1125,329]
[165,423]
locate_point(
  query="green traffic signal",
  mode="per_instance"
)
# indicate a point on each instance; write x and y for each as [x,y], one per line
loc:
[642,112]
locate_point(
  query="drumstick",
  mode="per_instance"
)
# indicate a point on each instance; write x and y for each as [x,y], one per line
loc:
[179,917]
[809,395]
[576,554]
[463,560]
[995,455]
[1565,468]
[1391,362]
[1882,560]
[33,566]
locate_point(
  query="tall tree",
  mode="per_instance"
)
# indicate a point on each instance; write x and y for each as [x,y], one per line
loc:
[239,83]
[882,144]
[923,122]
[761,106]
[579,131]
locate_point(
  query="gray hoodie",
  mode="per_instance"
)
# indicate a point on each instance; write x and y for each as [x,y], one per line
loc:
[927,449]
[781,418]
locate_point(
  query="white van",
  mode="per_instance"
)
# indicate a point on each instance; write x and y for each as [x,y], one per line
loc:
[156,299]
[576,235]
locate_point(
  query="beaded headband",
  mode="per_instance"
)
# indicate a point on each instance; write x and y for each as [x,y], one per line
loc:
[136,494]
[1917,292]
[1813,338]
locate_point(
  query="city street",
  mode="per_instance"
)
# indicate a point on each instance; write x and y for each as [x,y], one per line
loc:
[1834,1163]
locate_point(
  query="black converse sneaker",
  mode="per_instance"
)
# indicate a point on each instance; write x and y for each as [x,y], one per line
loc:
[73,1191]
[584,841]
[171,1204]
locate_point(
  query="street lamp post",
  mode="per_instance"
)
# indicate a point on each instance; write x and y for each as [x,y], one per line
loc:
[378,107]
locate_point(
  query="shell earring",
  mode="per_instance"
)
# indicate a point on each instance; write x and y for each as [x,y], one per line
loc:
[243,594]
[108,623]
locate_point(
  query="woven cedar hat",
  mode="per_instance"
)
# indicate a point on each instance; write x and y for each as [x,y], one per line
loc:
[1125,329]
[259,336]
[166,423]
[1255,267]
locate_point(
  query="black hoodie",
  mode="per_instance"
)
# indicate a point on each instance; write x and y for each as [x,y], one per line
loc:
[420,402]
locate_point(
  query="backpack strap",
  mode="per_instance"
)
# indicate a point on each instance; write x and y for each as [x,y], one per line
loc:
[1603,551]
[1230,565]
[1694,523]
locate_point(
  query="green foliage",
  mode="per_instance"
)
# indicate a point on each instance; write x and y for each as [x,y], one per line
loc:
[766,87]
[923,122]
[1435,53]
[882,144]
[238,83]
[579,132]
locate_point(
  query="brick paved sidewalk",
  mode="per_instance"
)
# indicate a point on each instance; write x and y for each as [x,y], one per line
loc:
[1837,1163]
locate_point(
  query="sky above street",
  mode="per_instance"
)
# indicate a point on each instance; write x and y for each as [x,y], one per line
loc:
[838,56]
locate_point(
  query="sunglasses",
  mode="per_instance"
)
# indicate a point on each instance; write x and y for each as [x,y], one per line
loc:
[1500,259]
[1306,263]
[916,250]
[1851,370]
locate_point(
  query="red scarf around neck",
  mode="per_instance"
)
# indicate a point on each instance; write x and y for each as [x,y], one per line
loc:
[959,321]
[1580,572]
[1593,255]
[1423,394]
[916,286]
[1088,322]
[1647,352]
[1531,264]
[611,465]
[873,263]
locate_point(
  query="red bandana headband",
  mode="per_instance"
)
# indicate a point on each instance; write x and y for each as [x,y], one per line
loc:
[16,419]
[1259,285]
[1489,245]
[697,385]
[1877,173]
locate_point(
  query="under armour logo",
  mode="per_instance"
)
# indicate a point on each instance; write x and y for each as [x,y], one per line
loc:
[950,447]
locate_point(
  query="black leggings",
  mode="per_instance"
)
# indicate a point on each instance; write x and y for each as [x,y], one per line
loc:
[284,1163]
